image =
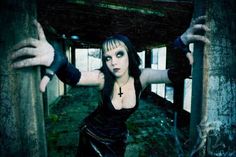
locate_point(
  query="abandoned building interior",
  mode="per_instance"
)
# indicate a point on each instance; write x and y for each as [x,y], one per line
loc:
[169,119]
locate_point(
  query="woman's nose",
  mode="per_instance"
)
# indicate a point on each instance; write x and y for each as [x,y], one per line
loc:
[114,61]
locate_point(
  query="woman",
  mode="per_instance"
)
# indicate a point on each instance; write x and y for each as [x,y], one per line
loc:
[103,133]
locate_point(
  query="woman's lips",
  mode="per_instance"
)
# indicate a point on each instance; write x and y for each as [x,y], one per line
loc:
[116,70]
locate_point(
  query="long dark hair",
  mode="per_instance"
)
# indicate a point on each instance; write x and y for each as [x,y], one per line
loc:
[134,61]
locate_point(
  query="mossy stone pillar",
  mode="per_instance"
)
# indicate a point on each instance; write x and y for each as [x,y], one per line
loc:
[22,131]
[216,131]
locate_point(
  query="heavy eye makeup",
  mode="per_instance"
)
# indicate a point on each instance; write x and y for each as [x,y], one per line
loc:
[107,58]
[120,54]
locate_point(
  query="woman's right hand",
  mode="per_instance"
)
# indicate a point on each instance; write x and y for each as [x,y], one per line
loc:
[33,52]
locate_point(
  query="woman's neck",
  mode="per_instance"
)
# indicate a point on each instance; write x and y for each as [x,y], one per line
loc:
[123,80]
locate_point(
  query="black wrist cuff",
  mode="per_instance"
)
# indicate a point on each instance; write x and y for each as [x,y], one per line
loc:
[65,71]
[178,44]
[177,75]
[69,74]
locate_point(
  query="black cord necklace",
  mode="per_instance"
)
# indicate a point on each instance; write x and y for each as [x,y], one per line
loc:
[120,92]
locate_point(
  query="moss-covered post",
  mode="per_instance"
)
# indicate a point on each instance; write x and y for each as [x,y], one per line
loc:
[217,127]
[22,132]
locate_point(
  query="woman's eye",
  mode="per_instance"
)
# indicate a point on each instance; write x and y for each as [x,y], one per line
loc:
[107,58]
[120,54]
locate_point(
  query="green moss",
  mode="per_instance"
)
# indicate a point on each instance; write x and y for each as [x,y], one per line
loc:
[53,118]
[132,128]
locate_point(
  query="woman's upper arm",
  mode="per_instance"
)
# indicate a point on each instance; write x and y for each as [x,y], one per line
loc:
[92,78]
[149,76]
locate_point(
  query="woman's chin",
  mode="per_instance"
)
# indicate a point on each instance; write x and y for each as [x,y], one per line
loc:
[117,75]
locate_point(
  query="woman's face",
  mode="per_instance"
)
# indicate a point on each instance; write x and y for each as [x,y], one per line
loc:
[117,61]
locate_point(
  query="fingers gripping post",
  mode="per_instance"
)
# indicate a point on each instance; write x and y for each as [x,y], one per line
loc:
[193,33]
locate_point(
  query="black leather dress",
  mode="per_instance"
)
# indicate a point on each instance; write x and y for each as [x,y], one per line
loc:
[104,132]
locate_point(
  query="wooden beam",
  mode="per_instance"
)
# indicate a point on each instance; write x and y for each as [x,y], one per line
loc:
[121,7]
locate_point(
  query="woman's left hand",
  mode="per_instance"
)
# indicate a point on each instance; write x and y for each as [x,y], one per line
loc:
[193,34]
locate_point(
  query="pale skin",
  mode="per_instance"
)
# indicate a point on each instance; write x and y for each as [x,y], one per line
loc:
[116,59]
